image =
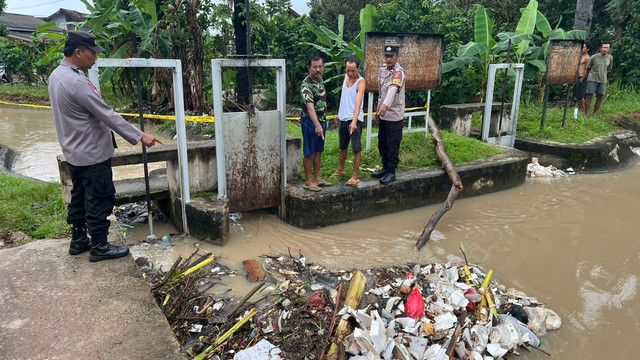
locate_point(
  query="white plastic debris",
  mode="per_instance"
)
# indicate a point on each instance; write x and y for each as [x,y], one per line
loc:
[537,317]
[534,169]
[381,290]
[362,338]
[377,333]
[506,335]
[195,328]
[263,350]
[495,350]
[435,352]
[553,321]
[417,346]
[445,321]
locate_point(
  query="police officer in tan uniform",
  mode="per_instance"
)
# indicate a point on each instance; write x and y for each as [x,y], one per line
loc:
[84,123]
[390,114]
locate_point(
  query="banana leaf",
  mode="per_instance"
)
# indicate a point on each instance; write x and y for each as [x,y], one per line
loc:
[368,16]
[526,25]
[483,28]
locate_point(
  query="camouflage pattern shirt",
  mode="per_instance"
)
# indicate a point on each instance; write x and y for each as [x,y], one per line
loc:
[313,92]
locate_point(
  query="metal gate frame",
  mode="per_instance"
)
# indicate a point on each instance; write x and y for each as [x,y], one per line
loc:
[216,71]
[510,138]
[176,66]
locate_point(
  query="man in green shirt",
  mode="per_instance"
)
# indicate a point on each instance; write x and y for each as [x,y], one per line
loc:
[312,122]
[596,76]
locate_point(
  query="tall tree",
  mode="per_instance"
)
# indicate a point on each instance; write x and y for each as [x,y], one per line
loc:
[584,15]
[3,29]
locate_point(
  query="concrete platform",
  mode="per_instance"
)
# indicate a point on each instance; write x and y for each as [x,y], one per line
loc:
[58,306]
[414,188]
[603,154]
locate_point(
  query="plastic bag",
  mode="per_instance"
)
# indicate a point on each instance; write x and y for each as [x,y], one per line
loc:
[415,304]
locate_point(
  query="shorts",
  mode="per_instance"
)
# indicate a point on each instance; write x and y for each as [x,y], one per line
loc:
[345,137]
[311,143]
[596,87]
[580,89]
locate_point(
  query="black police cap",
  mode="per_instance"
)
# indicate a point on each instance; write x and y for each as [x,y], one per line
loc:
[77,39]
[391,49]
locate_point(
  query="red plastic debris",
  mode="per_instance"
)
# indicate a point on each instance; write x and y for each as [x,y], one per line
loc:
[317,300]
[415,304]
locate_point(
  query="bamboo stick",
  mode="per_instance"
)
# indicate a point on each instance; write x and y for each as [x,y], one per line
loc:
[354,295]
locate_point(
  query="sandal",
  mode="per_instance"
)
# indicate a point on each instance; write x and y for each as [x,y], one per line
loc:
[353,182]
[325,183]
[312,188]
[336,174]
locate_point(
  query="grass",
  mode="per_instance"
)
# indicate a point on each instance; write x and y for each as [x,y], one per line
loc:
[20,201]
[25,90]
[616,102]
[416,151]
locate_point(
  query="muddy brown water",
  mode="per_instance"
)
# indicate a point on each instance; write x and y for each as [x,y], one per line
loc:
[33,134]
[571,242]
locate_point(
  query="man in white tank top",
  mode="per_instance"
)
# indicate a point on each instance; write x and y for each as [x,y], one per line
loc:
[350,119]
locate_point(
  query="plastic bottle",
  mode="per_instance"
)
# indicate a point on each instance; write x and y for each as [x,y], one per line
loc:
[575,113]
[523,330]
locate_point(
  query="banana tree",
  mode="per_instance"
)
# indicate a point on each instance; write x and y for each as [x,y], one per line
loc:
[335,48]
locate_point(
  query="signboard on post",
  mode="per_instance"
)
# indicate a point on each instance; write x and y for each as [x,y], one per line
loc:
[420,55]
[564,60]
[562,68]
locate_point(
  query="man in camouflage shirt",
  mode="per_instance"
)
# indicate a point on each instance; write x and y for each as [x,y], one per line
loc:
[313,124]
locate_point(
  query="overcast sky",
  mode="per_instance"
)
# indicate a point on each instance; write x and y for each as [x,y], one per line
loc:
[44,8]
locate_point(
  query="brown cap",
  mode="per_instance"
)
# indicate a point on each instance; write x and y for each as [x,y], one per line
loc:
[391,50]
[77,39]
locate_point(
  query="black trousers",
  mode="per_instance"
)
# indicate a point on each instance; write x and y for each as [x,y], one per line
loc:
[389,138]
[92,197]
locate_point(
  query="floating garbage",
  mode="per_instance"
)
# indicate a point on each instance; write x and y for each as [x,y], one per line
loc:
[416,311]
[534,169]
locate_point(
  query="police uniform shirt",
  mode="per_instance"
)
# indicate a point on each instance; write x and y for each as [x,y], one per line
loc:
[83,120]
[391,89]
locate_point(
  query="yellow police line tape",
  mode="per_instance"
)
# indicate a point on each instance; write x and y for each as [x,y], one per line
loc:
[187,118]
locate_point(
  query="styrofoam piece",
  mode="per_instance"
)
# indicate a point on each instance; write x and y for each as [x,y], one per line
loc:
[444,321]
[417,346]
[496,350]
[435,352]
[263,350]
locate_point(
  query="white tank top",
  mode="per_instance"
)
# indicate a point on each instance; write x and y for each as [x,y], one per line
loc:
[348,101]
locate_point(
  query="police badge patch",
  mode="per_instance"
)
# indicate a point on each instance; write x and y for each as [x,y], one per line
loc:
[95,90]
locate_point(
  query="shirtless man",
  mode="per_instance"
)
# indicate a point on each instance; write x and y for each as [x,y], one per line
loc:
[580,89]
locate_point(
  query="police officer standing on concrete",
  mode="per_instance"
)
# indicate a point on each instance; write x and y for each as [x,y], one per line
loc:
[390,114]
[84,123]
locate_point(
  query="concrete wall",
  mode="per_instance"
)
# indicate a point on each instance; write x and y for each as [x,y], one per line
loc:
[415,188]
[202,167]
[606,153]
[457,117]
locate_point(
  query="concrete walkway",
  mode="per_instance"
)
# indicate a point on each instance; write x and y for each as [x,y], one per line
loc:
[57,306]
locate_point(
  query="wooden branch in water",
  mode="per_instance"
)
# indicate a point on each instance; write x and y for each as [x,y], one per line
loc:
[456,185]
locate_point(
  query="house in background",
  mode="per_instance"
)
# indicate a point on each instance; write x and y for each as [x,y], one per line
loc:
[21,27]
[65,16]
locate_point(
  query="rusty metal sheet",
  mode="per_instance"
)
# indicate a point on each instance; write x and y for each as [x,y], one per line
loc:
[252,147]
[564,60]
[420,55]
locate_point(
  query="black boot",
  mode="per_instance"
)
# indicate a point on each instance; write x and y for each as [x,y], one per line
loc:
[379,174]
[80,242]
[102,250]
[388,178]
